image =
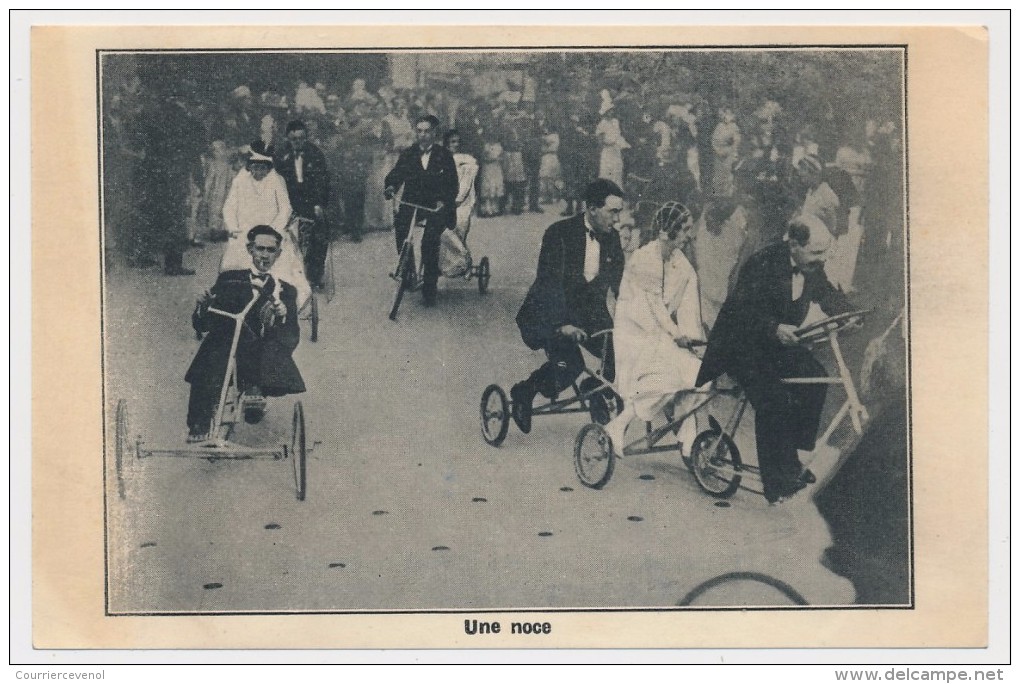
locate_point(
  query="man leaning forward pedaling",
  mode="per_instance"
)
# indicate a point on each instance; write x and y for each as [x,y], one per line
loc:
[580,262]
[754,340]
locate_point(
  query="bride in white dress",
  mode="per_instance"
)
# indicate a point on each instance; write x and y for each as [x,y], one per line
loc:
[657,327]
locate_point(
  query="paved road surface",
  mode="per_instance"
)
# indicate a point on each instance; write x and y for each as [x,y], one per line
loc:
[407,508]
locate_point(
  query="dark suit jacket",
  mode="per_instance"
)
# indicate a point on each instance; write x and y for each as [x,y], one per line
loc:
[560,295]
[315,188]
[426,186]
[263,351]
[746,326]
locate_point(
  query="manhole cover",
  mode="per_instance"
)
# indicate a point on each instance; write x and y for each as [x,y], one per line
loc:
[634,518]
[147,545]
[338,565]
[272,526]
[722,504]
[545,534]
[212,585]
[646,476]
[440,548]
[479,499]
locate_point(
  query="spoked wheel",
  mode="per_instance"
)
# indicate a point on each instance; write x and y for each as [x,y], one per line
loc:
[483,275]
[495,411]
[593,456]
[122,446]
[298,452]
[716,463]
[403,276]
[314,317]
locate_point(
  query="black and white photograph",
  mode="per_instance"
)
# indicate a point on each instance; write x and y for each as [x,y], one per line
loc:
[503,330]
[511,336]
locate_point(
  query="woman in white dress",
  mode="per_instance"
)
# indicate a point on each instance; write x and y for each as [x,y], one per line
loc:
[613,144]
[657,329]
[258,197]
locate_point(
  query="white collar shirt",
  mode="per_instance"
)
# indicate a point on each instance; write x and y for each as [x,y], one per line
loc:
[592,252]
[425,156]
[797,280]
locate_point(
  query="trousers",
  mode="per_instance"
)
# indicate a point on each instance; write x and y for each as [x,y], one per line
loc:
[786,416]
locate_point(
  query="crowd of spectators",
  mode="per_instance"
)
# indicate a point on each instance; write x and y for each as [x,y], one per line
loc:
[744,169]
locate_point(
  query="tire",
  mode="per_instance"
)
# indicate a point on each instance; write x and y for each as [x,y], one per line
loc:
[593,456]
[495,414]
[483,275]
[122,447]
[298,452]
[314,316]
[716,462]
[403,267]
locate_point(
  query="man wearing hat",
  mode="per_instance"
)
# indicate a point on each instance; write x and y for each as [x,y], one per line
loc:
[754,341]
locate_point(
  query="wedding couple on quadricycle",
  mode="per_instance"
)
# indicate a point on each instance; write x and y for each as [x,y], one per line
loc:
[659,341]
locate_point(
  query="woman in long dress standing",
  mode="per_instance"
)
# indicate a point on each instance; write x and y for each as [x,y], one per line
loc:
[613,145]
[378,210]
[657,328]
[258,197]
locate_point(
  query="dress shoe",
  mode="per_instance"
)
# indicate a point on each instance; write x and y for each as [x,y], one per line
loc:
[196,435]
[522,396]
[785,493]
[598,402]
[197,243]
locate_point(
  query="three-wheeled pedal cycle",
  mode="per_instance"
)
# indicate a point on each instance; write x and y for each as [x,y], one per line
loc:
[408,277]
[714,457]
[130,450]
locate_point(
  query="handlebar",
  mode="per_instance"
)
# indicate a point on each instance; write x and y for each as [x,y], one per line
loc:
[835,323]
[431,210]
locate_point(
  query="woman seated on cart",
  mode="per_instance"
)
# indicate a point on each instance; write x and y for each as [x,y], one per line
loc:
[268,336]
[657,329]
[258,197]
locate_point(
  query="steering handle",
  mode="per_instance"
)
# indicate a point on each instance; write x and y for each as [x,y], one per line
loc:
[835,323]
[431,210]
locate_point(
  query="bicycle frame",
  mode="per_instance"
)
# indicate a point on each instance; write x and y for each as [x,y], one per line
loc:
[223,421]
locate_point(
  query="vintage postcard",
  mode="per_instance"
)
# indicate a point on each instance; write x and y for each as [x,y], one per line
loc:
[509,337]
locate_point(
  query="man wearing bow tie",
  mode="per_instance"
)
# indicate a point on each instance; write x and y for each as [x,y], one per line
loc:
[303,167]
[428,175]
[580,261]
[269,335]
[754,340]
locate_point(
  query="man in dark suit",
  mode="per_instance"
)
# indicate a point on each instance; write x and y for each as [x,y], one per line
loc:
[580,261]
[269,335]
[754,341]
[303,167]
[428,175]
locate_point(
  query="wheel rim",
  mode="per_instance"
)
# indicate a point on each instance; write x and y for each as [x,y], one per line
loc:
[593,456]
[713,464]
[297,449]
[483,275]
[495,415]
